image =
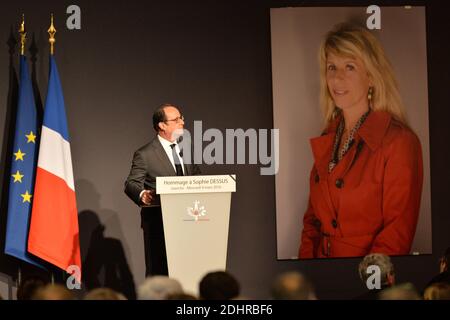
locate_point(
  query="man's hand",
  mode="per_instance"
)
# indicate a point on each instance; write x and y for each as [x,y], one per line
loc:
[147,197]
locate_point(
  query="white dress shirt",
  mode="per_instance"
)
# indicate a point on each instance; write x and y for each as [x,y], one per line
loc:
[168,149]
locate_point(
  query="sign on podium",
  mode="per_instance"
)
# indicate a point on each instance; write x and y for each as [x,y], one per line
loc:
[196,215]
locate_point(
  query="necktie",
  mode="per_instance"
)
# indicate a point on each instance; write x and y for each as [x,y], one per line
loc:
[176,159]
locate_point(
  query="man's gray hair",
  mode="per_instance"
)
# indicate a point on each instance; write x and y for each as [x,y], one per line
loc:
[378,259]
[159,288]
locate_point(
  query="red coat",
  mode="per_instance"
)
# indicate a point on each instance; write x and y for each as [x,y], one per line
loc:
[370,201]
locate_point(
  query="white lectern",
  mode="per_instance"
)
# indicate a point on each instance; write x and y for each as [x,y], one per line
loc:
[196,214]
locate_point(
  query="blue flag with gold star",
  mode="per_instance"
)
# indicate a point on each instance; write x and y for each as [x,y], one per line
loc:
[23,169]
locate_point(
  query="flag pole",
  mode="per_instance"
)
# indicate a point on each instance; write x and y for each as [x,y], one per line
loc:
[19,277]
[23,40]
[23,35]
[51,31]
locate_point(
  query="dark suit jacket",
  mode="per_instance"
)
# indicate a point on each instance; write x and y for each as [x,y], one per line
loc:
[149,162]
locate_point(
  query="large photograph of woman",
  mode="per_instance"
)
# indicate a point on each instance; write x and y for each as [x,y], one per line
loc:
[367,178]
[365,189]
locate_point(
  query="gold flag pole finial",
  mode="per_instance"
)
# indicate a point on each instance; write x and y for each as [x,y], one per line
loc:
[51,31]
[23,35]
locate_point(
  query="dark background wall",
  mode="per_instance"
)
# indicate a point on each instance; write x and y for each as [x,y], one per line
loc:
[213,59]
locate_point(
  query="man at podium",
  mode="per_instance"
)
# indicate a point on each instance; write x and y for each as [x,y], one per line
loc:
[160,157]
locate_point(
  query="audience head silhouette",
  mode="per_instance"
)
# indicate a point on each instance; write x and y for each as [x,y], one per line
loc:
[159,288]
[104,294]
[444,262]
[219,285]
[405,291]
[53,292]
[28,286]
[292,286]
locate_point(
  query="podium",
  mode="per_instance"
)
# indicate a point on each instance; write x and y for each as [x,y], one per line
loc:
[196,214]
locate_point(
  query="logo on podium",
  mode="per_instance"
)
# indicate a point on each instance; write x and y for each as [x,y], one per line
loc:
[197,211]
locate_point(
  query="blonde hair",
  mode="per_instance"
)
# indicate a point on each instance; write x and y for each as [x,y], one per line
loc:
[437,291]
[350,40]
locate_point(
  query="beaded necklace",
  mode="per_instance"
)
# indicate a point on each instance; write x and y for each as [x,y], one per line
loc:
[337,155]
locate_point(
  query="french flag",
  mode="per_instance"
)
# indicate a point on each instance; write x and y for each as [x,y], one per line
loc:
[54,235]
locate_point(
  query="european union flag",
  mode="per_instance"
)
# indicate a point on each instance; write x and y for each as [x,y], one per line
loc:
[23,168]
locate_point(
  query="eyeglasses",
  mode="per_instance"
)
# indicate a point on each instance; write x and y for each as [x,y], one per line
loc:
[177,119]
